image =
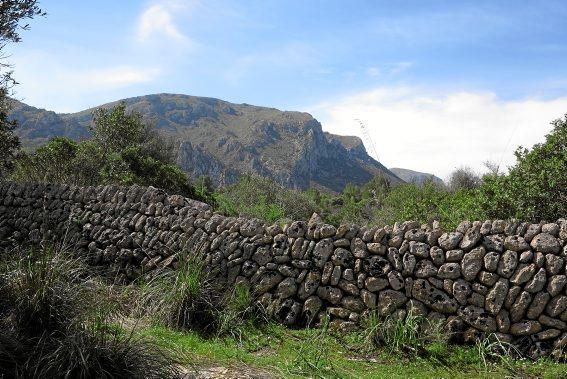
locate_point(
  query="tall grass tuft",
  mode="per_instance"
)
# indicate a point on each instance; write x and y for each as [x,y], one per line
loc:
[409,334]
[190,298]
[239,312]
[58,320]
[493,349]
[184,299]
[95,350]
[43,290]
[313,359]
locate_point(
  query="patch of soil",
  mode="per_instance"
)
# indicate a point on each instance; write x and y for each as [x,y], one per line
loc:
[222,372]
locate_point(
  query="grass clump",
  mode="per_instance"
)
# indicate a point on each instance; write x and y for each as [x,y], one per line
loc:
[493,349]
[42,290]
[191,298]
[240,312]
[97,351]
[410,333]
[184,299]
[313,358]
[57,320]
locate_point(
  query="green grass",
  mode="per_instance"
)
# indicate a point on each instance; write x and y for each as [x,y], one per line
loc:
[318,353]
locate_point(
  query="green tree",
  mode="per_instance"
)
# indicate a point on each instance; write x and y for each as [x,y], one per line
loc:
[463,178]
[13,13]
[51,162]
[114,129]
[536,186]
[9,141]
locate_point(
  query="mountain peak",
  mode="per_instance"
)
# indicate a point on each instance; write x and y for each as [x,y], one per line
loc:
[224,140]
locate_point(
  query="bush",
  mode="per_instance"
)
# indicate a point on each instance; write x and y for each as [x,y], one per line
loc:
[412,202]
[51,162]
[355,205]
[536,186]
[255,196]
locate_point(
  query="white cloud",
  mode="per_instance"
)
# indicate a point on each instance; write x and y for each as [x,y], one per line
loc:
[157,20]
[436,133]
[113,77]
[70,87]
[400,67]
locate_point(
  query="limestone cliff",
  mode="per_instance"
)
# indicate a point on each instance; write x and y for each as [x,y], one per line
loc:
[224,140]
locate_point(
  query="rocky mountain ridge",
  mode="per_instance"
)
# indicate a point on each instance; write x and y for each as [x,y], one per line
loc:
[417,177]
[225,140]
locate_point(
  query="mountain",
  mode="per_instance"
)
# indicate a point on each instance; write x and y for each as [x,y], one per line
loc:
[36,126]
[411,176]
[224,140]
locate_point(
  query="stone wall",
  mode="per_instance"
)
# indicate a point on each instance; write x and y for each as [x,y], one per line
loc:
[502,277]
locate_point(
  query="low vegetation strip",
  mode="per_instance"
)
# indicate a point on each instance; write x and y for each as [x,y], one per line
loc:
[501,278]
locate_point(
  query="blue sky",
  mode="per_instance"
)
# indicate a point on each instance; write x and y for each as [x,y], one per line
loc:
[469,80]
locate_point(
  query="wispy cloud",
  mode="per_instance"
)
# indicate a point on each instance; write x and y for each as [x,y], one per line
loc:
[400,67]
[72,88]
[113,77]
[157,20]
[438,132]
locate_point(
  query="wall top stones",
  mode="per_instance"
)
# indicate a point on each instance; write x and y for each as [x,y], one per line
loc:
[493,276]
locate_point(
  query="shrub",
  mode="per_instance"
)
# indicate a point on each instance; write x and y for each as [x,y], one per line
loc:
[124,150]
[412,202]
[51,162]
[536,186]
[255,196]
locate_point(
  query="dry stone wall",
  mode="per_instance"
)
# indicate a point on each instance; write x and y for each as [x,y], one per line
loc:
[502,277]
